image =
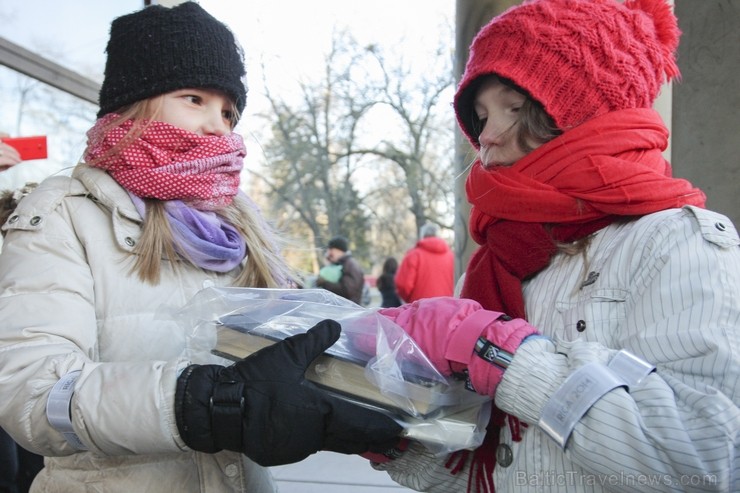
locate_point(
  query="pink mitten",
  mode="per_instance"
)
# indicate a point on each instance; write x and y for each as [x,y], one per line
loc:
[458,335]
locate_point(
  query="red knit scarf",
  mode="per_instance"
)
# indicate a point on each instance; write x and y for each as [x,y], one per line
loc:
[166,162]
[607,168]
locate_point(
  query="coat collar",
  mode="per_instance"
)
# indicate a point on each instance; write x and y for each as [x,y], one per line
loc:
[106,191]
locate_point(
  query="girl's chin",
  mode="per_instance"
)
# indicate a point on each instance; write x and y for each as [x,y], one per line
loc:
[494,164]
[490,160]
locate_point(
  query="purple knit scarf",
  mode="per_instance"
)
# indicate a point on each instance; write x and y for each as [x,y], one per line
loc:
[203,237]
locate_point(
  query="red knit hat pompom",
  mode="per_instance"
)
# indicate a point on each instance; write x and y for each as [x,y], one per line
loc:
[578,58]
[666,30]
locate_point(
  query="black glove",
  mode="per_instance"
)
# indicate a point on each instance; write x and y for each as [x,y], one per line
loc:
[263,406]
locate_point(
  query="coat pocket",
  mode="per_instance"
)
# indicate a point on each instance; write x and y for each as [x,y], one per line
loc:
[598,316]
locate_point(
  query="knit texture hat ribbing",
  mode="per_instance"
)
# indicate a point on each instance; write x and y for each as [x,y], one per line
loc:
[578,58]
[158,50]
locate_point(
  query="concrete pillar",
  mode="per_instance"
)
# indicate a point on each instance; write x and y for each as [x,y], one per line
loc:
[706,102]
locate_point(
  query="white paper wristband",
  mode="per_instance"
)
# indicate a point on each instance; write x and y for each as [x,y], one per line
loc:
[575,397]
[57,409]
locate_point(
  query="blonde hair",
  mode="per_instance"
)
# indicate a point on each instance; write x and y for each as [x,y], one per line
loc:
[264,267]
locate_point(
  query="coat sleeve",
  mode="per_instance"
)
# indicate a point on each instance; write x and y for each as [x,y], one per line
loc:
[420,470]
[50,328]
[407,274]
[681,423]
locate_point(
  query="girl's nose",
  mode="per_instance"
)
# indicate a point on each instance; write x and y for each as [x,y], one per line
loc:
[216,124]
[491,133]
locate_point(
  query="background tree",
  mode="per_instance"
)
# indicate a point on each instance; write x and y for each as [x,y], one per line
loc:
[365,152]
[421,149]
[313,166]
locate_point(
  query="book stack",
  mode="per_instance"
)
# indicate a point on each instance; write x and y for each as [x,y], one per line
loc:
[446,428]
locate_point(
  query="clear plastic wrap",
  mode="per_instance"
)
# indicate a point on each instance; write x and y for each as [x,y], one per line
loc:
[374,363]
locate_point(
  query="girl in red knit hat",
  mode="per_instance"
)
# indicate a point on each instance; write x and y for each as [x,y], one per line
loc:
[601,309]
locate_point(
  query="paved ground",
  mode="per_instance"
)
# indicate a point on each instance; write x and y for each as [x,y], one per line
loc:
[327,472]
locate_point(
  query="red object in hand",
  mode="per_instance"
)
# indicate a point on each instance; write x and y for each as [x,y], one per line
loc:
[28,147]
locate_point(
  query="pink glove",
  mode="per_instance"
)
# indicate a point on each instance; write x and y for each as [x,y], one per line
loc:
[458,335]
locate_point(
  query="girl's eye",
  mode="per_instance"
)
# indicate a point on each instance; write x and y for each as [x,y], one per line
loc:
[227,115]
[482,124]
[192,98]
[515,109]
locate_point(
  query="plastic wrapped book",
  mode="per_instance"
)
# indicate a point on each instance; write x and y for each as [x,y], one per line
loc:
[374,363]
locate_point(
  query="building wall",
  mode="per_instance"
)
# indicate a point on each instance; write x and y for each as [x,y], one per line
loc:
[706,102]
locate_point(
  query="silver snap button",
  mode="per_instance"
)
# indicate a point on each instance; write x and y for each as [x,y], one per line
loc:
[35,220]
[720,226]
[581,325]
[130,241]
[231,470]
[504,455]
[13,219]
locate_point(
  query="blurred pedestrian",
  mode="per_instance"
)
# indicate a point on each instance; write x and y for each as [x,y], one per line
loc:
[386,284]
[428,269]
[351,281]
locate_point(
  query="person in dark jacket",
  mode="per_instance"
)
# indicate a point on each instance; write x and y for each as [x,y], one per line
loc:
[387,284]
[352,280]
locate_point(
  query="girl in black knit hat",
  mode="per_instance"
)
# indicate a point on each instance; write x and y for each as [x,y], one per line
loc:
[91,377]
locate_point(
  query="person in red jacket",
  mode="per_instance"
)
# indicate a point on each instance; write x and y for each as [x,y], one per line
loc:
[428,269]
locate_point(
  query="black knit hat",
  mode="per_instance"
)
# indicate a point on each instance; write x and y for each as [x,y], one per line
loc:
[158,50]
[340,243]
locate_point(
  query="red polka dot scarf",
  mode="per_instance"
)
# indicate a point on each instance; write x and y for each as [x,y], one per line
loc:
[167,163]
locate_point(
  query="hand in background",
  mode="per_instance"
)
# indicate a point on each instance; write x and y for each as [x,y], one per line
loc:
[8,154]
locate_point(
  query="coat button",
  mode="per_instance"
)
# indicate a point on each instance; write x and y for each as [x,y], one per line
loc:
[13,219]
[720,226]
[581,325]
[504,455]
[231,470]
[130,241]
[35,220]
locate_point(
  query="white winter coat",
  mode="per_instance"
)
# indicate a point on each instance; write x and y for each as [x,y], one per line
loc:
[666,288]
[69,301]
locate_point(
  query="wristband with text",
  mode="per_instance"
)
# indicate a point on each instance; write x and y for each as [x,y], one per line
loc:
[57,409]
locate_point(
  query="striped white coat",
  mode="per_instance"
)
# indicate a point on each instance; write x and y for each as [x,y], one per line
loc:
[665,287]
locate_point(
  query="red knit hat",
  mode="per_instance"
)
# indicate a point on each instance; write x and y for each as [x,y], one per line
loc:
[578,58]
